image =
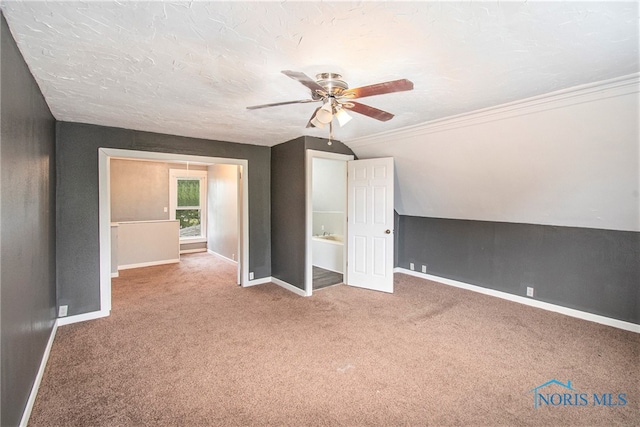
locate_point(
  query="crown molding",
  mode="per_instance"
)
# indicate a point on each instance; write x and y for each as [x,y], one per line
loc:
[610,88]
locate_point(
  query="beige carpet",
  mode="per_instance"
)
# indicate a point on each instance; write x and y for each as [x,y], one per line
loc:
[185,346]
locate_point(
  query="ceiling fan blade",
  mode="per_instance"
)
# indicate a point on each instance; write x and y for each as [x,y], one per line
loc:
[367,110]
[275,104]
[378,89]
[304,79]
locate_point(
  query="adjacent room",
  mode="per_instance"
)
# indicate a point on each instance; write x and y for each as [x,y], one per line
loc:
[320,213]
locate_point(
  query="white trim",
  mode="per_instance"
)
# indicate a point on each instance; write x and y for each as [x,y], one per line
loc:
[62,321]
[192,251]
[308,263]
[289,287]
[196,175]
[148,264]
[190,240]
[620,324]
[36,384]
[618,86]
[216,254]
[151,221]
[114,275]
[256,282]
[104,218]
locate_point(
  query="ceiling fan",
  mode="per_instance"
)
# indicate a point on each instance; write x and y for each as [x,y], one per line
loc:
[336,97]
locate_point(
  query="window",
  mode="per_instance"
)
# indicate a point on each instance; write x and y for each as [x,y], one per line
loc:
[188,201]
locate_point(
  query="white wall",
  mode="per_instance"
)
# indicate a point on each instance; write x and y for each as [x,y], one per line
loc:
[144,243]
[329,185]
[329,196]
[570,158]
[140,189]
[223,210]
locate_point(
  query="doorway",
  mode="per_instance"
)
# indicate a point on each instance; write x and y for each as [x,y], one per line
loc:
[105,155]
[326,221]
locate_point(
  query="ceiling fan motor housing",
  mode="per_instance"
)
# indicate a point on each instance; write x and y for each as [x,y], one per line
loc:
[332,83]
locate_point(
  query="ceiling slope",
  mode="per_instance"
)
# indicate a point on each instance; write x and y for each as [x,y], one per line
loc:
[569,158]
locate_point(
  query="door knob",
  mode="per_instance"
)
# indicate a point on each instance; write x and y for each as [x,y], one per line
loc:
[387,231]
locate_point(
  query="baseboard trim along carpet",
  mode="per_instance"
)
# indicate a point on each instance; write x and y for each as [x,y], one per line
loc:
[36,384]
[192,251]
[82,317]
[234,262]
[260,281]
[289,287]
[148,264]
[620,324]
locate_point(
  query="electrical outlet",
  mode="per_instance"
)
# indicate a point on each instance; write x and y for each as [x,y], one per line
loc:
[424,268]
[62,311]
[322,226]
[251,275]
[529,291]
[166,209]
[411,266]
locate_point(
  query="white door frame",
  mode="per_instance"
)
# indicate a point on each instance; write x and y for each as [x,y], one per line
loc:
[308,270]
[104,156]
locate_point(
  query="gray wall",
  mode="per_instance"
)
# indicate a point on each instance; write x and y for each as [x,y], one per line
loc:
[587,269]
[27,224]
[288,205]
[78,261]
[288,212]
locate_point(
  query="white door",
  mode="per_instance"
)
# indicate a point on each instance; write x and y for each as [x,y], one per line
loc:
[370,224]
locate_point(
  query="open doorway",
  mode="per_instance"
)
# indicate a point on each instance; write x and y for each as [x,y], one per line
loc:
[235,169]
[326,219]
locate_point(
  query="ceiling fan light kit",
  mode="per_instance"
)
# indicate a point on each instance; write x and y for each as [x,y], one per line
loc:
[335,95]
[342,116]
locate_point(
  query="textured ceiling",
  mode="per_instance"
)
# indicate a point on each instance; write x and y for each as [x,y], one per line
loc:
[191,68]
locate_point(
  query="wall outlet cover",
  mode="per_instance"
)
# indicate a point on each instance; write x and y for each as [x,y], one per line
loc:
[424,268]
[411,266]
[529,291]
[251,275]
[62,310]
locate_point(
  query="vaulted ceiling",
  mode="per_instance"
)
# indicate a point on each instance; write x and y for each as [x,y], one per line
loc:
[192,68]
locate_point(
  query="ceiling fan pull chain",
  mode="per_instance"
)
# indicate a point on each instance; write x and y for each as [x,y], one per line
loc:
[330,132]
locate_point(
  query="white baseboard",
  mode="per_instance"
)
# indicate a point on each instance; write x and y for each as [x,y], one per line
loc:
[82,317]
[222,257]
[192,251]
[289,287]
[148,264]
[36,384]
[620,324]
[114,275]
[281,283]
[255,282]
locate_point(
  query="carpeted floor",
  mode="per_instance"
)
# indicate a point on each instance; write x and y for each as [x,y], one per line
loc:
[185,346]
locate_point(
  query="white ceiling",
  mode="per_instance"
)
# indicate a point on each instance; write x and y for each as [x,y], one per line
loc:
[191,68]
